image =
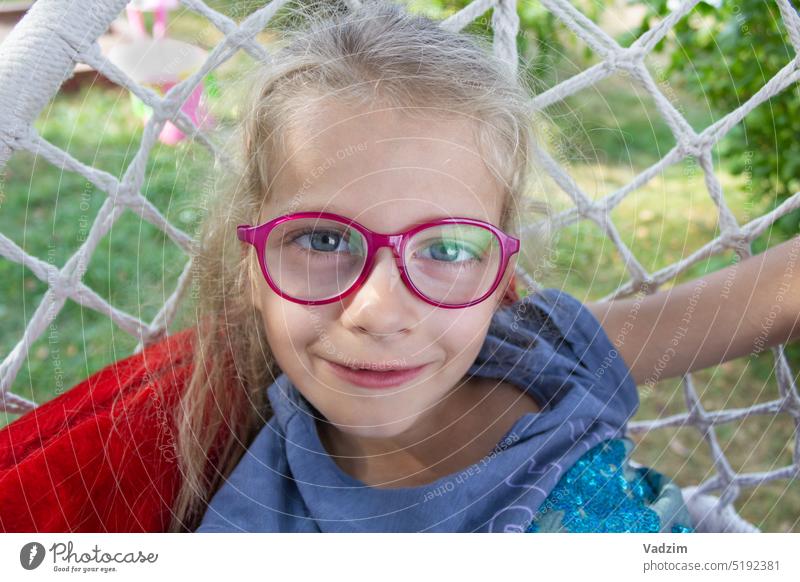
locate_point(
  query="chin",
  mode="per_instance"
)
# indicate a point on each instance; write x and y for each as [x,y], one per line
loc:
[383,429]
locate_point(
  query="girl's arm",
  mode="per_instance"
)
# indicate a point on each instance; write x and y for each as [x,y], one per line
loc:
[742,309]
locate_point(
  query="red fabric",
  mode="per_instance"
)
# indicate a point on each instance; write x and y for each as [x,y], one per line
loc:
[64,467]
[67,467]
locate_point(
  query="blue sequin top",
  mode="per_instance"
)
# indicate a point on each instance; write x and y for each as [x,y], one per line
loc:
[604,493]
[565,468]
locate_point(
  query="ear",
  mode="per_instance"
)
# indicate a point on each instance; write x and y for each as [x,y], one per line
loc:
[255,298]
[511,295]
[251,287]
[508,291]
[509,284]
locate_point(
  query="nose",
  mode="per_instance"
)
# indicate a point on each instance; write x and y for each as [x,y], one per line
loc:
[382,306]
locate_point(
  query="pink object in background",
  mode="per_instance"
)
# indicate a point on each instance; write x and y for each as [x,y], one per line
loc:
[159,8]
[170,134]
[161,64]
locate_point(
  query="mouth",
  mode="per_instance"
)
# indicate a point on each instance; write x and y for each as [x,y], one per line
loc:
[369,376]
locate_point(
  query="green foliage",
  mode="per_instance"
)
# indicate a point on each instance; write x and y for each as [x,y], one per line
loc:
[542,41]
[725,55]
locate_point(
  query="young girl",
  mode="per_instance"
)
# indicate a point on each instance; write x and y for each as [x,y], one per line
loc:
[397,383]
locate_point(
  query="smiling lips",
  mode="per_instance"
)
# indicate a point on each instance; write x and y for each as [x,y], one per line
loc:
[373,378]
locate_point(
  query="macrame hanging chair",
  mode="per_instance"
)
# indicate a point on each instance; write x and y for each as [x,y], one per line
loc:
[55,35]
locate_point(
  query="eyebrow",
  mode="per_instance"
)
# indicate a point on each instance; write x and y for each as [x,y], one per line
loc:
[352,217]
[334,209]
[291,209]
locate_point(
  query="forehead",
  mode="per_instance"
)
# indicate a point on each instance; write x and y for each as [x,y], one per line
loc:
[384,168]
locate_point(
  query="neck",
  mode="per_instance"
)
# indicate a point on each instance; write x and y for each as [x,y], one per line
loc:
[456,433]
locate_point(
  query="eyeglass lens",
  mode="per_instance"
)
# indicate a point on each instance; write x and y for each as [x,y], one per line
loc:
[315,259]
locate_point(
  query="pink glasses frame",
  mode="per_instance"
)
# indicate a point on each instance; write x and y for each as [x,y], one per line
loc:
[257,236]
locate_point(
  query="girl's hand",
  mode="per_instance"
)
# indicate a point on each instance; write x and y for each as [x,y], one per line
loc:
[740,310]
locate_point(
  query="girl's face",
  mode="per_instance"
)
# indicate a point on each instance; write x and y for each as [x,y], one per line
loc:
[388,173]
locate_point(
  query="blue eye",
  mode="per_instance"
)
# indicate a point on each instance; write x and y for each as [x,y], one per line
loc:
[450,251]
[324,241]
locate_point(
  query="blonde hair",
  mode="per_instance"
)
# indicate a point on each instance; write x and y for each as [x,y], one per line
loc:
[378,53]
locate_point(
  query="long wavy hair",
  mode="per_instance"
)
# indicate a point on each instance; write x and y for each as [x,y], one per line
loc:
[379,52]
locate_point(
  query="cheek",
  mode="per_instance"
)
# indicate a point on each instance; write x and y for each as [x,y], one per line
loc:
[464,336]
[290,329]
[451,343]
[457,344]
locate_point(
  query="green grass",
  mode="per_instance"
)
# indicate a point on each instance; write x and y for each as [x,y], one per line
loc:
[666,220]
[610,135]
[135,266]
[48,213]
[661,223]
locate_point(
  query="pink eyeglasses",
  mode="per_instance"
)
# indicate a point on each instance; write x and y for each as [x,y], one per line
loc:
[315,258]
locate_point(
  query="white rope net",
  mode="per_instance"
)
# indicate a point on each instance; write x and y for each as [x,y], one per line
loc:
[55,35]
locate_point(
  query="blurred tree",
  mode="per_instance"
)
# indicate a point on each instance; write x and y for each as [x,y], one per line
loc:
[542,43]
[724,52]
